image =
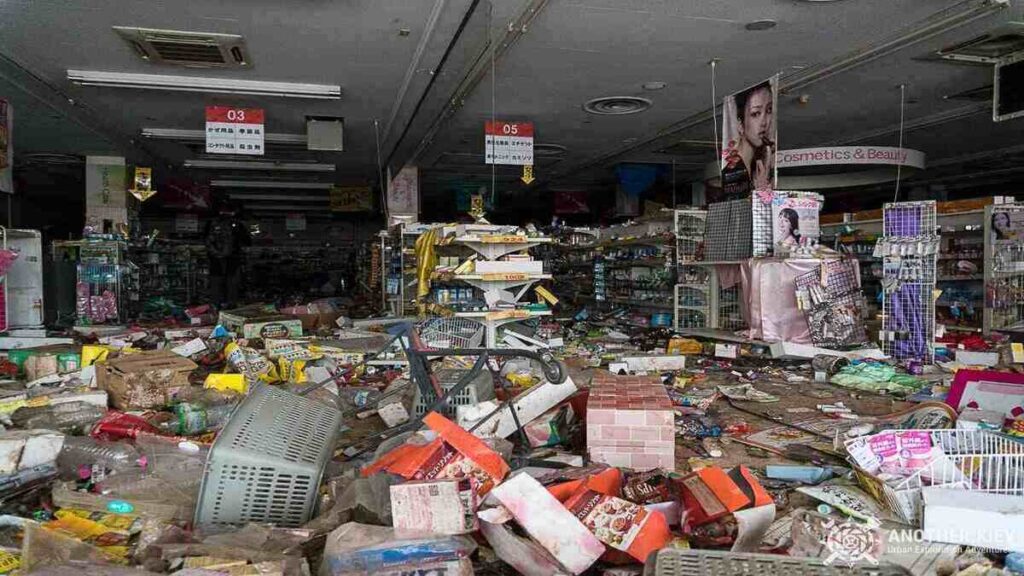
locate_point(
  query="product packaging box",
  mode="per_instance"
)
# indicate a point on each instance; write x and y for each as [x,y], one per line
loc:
[434,506]
[21,449]
[455,454]
[255,322]
[144,380]
[549,523]
[712,493]
[630,422]
[623,525]
[513,267]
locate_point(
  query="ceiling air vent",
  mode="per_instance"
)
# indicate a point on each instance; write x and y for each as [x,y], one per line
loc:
[986,48]
[190,49]
[617,105]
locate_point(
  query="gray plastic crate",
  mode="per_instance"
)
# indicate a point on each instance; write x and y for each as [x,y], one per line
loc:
[669,562]
[479,390]
[266,464]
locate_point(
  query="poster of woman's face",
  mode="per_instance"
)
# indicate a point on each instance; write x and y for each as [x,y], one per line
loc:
[794,219]
[1007,226]
[749,140]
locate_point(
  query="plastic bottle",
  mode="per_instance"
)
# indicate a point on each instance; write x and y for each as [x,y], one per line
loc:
[82,454]
[68,417]
[192,418]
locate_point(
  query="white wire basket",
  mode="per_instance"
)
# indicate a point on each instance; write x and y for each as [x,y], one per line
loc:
[450,333]
[972,460]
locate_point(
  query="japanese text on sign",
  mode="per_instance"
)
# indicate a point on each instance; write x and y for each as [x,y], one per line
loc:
[508,143]
[234,130]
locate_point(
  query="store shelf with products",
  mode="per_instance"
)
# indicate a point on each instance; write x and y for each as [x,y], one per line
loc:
[959,266]
[106,283]
[630,265]
[172,270]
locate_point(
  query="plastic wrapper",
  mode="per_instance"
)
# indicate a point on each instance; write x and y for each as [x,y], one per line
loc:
[250,363]
[42,547]
[85,457]
[120,426]
[358,549]
[70,417]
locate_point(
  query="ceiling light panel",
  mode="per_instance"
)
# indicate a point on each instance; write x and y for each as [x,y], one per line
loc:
[202,84]
[266,166]
[183,135]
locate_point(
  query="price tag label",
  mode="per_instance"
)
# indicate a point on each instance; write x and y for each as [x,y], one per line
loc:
[510,239]
[507,276]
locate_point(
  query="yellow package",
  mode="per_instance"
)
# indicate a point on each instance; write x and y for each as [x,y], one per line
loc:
[523,380]
[227,383]
[113,543]
[683,346]
[92,353]
[9,562]
[123,523]
[293,371]
[253,365]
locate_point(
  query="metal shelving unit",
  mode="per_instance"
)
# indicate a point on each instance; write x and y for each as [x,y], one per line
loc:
[1004,268]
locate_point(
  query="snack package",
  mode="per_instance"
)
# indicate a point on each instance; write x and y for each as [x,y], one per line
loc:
[898,452]
[293,371]
[550,428]
[253,365]
[119,426]
[651,487]
[92,353]
[620,524]
[434,506]
[607,481]
[712,493]
[227,383]
[455,454]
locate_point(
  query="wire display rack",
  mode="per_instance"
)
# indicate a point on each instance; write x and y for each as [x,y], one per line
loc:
[909,248]
[450,332]
[730,231]
[690,226]
[1004,268]
[973,460]
[832,302]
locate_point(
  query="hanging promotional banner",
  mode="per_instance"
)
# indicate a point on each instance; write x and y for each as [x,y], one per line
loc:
[295,222]
[404,193]
[142,184]
[509,143]
[234,130]
[6,147]
[571,202]
[184,194]
[749,140]
[351,199]
[794,219]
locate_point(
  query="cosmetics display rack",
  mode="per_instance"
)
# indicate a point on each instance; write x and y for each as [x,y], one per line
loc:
[1004,268]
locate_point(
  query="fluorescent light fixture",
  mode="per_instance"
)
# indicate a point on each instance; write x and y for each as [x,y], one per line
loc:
[200,136]
[202,84]
[263,165]
[278,198]
[271,184]
[295,208]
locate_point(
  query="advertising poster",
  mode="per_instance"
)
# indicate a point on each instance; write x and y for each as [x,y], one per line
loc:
[404,193]
[794,220]
[1007,226]
[749,140]
[351,199]
[6,148]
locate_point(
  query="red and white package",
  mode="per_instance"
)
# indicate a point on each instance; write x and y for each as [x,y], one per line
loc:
[454,454]
[620,524]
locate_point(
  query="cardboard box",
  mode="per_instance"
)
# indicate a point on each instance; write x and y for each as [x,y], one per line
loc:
[144,380]
[549,523]
[982,519]
[256,323]
[630,422]
[711,493]
[435,506]
[529,406]
[972,358]
[654,363]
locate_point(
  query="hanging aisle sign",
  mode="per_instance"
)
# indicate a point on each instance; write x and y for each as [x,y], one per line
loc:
[295,222]
[509,143]
[234,130]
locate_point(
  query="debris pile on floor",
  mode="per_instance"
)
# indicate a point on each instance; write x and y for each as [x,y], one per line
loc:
[247,448]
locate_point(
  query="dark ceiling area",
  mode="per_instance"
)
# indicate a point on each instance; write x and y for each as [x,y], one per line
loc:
[418,80]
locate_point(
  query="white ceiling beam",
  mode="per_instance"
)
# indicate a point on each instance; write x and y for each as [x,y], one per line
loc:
[202,84]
